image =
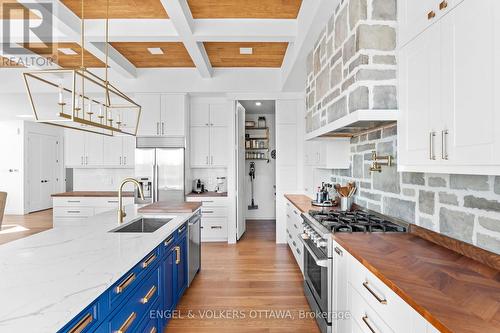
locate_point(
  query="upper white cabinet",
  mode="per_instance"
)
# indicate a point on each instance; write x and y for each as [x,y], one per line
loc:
[327,154]
[415,16]
[209,139]
[88,150]
[448,78]
[162,114]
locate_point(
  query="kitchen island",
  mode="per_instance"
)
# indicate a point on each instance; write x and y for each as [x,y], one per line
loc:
[49,278]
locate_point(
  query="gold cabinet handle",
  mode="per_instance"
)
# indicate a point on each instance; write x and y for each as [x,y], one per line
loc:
[378,298]
[82,324]
[365,320]
[178,255]
[181,229]
[153,330]
[120,288]
[443,5]
[168,241]
[149,295]
[148,261]
[126,325]
[431,15]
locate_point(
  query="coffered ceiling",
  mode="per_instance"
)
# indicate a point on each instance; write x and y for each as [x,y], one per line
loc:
[174,54]
[229,54]
[53,50]
[118,9]
[263,9]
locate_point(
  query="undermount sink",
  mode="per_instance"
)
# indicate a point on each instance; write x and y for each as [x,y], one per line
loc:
[143,225]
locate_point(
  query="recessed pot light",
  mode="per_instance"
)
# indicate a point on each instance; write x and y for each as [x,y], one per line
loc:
[67,51]
[155,50]
[258,103]
[246,50]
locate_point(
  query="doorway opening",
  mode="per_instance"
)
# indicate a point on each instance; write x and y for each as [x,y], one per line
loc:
[256,163]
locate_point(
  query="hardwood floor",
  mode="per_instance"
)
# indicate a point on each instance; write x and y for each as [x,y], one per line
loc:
[20,226]
[256,278]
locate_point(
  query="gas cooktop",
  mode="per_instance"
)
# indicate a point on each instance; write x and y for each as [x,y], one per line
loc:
[355,221]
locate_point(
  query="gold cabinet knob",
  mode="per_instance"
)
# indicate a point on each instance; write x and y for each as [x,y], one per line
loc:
[443,5]
[431,15]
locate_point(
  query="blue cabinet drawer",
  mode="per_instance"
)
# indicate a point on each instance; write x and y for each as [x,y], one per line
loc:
[87,320]
[168,243]
[132,278]
[152,323]
[137,306]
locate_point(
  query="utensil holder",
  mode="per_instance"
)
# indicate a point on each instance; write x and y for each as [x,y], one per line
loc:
[346,203]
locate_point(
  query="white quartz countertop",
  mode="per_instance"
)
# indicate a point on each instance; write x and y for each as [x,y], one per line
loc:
[48,278]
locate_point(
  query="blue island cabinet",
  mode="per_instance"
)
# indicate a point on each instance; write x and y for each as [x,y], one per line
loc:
[144,298]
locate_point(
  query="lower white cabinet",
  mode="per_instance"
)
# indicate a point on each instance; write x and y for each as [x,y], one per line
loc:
[74,211]
[294,230]
[214,218]
[373,306]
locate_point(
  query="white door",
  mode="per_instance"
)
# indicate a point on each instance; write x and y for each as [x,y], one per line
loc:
[419,98]
[149,123]
[128,150]
[173,111]
[200,146]
[94,149]
[50,168]
[468,98]
[219,114]
[74,148]
[240,171]
[113,151]
[219,146]
[200,114]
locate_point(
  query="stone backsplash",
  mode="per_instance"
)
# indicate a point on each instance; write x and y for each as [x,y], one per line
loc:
[464,207]
[353,65]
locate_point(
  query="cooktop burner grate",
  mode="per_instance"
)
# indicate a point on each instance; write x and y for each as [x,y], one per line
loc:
[355,221]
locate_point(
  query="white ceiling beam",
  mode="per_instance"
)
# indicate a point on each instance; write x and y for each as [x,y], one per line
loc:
[132,30]
[245,30]
[312,18]
[69,24]
[180,15]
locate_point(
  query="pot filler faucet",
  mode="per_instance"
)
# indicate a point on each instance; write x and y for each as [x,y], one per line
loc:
[121,212]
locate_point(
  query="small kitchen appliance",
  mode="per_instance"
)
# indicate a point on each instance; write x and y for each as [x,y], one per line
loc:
[221,185]
[146,185]
[198,186]
[322,259]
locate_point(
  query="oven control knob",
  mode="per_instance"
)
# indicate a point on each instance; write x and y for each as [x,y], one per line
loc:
[304,236]
[322,243]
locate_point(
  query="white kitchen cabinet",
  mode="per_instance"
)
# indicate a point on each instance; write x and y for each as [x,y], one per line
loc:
[340,287]
[294,230]
[119,151]
[219,146]
[128,151]
[162,114]
[214,218]
[74,148]
[327,154]
[449,76]
[209,140]
[94,152]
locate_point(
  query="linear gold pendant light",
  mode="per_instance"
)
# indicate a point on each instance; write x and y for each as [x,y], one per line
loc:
[80,100]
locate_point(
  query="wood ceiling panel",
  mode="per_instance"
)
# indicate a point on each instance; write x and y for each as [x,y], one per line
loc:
[118,9]
[265,9]
[175,54]
[16,10]
[266,54]
[63,60]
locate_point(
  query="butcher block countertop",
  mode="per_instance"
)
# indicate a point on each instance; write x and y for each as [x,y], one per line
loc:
[207,194]
[302,202]
[169,207]
[453,292]
[103,194]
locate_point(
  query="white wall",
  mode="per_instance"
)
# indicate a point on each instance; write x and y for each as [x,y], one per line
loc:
[265,178]
[208,176]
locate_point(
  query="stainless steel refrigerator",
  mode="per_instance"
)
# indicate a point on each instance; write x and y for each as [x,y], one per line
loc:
[159,167]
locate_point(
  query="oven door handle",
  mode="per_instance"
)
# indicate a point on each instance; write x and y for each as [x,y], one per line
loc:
[319,262]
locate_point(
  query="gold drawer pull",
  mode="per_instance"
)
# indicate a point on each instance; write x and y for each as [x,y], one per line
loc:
[168,241]
[148,261]
[125,283]
[82,324]
[153,330]
[148,296]
[182,229]
[178,255]
[365,320]
[431,15]
[380,300]
[126,325]
[443,5]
